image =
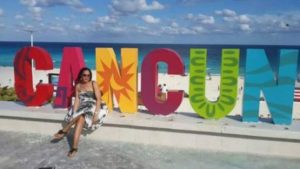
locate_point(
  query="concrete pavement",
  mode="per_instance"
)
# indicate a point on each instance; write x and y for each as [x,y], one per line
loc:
[35,151]
[181,130]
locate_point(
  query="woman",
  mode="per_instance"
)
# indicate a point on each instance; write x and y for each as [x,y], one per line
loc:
[85,109]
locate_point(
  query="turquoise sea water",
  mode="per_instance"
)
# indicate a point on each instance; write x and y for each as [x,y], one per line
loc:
[8,51]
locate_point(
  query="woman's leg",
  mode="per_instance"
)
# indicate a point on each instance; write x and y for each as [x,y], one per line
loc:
[65,129]
[77,133]
[70,124]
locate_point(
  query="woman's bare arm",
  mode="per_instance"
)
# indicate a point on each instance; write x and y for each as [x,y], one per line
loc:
[98,97]
[76,102]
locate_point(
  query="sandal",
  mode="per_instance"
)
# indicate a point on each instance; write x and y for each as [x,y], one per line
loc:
[72,152]
[59,135]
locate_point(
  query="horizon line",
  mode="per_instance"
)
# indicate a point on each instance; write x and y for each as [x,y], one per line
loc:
[143,43]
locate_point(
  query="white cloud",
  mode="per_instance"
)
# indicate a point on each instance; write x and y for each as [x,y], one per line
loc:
[234,22]
[34,7]
[19,16]
[190,16]
[198,29]
[1,12]
[175,29]
[224,21]
[244,19]
[283,25]
[154,6]
[75,4]
[63,19]
[56,28]
[143,30]
[209,20]
[24,27]
[146,31]
[230,19]
[79,28]
[269,23]
[150,19]
[36,10]
[29,2]
[189,2]
[226,13]
[86,10]
[118,29]
[125,7]
[276,23]
[174,24]
[170,30]
[245,27]
[187,31]
[200,18]
[139,28]
[105,21]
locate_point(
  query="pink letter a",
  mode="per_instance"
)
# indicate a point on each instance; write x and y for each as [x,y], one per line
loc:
[72,62]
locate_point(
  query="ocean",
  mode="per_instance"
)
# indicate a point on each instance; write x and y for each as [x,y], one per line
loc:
[8,51]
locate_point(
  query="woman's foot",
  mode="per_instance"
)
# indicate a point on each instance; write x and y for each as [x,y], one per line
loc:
[59,135]
[72,152]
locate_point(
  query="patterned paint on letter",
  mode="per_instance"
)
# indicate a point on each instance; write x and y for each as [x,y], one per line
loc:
[118,80]
[228,88]
[278,94]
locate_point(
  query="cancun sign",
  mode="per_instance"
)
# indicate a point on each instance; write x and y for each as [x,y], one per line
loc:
[121,81]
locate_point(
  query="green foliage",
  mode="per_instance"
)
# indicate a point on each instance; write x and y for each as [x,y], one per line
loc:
[7,94]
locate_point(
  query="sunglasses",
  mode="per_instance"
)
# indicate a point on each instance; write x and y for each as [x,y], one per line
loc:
[86,75]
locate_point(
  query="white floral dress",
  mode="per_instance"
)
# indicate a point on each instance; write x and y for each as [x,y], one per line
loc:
[87,106]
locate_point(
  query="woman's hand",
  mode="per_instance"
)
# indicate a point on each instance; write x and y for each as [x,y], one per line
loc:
[95,117]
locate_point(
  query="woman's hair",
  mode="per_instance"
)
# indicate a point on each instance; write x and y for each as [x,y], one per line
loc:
[80,74]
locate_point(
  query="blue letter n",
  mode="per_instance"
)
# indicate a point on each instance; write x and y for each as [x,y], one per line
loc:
[279,95]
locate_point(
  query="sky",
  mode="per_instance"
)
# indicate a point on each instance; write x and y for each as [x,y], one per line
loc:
[152,21]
